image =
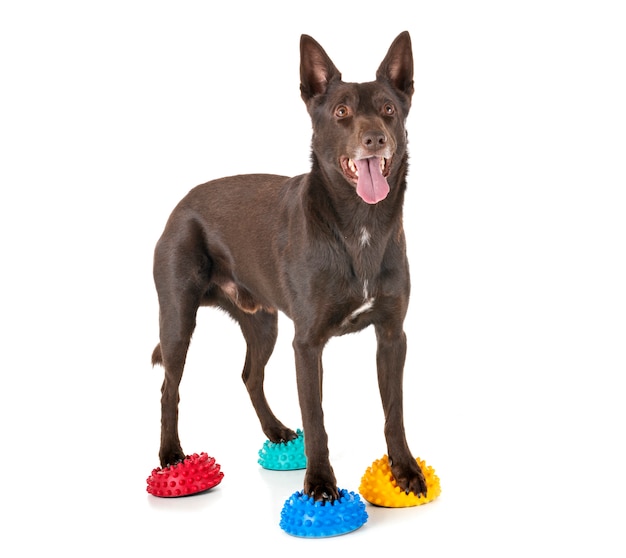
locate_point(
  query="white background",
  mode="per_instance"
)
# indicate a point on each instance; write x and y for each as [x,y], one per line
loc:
[515,217]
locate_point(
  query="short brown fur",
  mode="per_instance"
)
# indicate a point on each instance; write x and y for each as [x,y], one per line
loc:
[309,247]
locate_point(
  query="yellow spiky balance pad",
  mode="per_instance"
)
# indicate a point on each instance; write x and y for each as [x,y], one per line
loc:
[379,487]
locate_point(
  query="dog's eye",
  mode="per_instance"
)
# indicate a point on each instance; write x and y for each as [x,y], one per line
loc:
[342,111]
[389,109]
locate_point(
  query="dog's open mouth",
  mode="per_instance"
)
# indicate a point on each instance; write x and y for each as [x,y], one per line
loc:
[369,175]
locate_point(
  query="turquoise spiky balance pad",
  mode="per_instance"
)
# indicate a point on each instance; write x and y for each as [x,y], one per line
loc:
[283,456]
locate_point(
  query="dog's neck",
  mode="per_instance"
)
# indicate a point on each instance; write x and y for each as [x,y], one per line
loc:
[364,230]
[356,222]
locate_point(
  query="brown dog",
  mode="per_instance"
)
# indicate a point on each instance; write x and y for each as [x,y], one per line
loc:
[326,248]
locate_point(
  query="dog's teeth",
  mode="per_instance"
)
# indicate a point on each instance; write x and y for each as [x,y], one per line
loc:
[382,164]
[352,167]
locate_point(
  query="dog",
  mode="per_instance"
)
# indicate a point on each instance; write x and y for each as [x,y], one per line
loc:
[326,248]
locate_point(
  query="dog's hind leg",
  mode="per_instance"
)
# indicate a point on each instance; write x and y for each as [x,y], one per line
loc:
[260,331]
[177,324]
[175,338]
[181,282]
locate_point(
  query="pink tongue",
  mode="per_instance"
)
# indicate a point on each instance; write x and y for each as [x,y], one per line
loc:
[371,186]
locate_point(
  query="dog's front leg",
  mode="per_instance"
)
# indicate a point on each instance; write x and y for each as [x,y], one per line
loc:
[319,480]
[390,357]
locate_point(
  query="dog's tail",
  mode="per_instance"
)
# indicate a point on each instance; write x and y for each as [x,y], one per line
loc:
[157,356]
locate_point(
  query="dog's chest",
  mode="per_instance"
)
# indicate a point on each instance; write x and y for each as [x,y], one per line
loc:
[366,306]
[364,277]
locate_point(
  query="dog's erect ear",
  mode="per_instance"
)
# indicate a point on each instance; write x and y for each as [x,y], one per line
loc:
[397,67]
[316,69]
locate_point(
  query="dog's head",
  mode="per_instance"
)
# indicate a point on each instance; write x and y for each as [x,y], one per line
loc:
[358,128]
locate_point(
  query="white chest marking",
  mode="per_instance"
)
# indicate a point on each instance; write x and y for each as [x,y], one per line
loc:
[365,238]
[368,301]
[367,305]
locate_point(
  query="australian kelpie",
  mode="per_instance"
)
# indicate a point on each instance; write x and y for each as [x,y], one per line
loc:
[326,248]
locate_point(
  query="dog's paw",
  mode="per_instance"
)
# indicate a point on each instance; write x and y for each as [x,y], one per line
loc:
[323,492]
[409,477]
[172,457]
[280,434]
[321,487]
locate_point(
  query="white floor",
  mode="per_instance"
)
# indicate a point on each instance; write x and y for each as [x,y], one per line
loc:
[516,231]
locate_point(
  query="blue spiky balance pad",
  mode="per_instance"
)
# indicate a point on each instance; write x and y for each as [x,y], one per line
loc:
[303,516]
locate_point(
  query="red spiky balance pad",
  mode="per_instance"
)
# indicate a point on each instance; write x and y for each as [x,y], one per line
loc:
[196,473]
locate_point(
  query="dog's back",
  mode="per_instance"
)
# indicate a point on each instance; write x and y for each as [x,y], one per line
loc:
[220,223]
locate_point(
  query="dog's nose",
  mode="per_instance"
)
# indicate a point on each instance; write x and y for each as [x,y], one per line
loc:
[374,139]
